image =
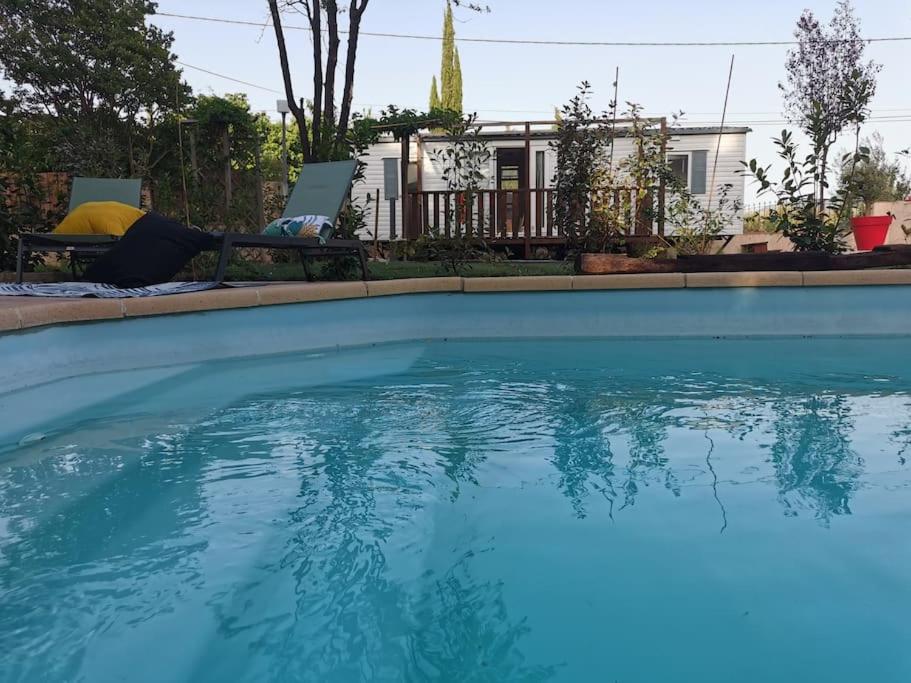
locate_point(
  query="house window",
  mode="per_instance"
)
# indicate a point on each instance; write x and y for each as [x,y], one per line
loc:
[680,166]
[539,170]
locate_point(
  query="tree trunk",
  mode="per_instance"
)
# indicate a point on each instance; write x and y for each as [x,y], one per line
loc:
[823,168]
[316,29]
[355,12]
[296,111]
[331,64]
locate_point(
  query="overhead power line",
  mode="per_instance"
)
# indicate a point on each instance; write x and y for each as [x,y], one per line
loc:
[898,115]
[529,41]
[229,78]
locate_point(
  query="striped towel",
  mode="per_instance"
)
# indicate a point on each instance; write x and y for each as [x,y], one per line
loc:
[71,290]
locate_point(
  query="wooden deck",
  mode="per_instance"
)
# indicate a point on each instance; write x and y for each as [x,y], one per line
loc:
[521,218]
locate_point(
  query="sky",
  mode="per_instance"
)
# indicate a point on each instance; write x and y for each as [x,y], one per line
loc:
[520,82]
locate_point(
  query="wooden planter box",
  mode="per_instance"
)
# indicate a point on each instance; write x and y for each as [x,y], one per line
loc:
[603,264]
[882,257]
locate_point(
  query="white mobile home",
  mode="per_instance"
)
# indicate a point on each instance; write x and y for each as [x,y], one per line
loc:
[515,207]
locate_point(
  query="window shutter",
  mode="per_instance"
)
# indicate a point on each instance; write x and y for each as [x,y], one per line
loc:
[698,172]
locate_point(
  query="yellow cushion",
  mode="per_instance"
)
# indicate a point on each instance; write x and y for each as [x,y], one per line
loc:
[99,218]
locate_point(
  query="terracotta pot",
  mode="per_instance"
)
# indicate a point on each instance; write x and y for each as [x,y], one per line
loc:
[870,231]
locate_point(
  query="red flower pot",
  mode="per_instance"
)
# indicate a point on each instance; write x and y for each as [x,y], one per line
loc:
[870,231]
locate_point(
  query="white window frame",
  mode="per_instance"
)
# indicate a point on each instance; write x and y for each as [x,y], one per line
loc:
[689,165]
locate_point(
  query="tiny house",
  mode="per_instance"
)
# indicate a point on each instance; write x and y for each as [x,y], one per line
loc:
[515,204]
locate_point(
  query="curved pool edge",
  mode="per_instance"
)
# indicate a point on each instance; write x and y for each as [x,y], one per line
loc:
[51,370]
[258,321]
[22,313]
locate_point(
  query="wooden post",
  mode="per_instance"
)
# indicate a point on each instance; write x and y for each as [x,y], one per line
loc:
[527,181]
[392,231]
[194,161]
[662,188]
[226,151]
[258,175]
[406,200]
[376,225]
[420,178]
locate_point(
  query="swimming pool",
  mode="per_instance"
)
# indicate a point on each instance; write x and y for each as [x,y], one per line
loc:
[626,509]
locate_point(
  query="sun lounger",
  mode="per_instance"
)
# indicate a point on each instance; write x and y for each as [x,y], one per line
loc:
[125,191]
[322,189]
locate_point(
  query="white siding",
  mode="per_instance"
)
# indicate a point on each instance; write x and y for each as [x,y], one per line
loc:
[731,153]
[373,181]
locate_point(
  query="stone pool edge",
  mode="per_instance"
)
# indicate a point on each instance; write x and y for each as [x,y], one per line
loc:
[20,313]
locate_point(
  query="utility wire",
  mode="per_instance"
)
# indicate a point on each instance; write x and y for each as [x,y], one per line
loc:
[903,115]
[229,78]
[526,41]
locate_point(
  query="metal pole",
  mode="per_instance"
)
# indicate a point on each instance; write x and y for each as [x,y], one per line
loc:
[285,179]
[724,113]
[613,125]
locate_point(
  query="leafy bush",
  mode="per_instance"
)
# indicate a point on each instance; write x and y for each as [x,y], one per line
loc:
[874,178]
[696,228]
[581,145]
[797,214]
[464,162]
[455,253]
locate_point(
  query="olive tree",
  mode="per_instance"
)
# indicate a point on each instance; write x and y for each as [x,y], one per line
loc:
[829,84]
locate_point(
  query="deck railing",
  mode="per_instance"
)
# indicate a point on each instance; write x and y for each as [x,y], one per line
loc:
[523,215]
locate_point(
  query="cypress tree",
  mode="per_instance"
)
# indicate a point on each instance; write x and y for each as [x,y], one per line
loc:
[449,94]
[448,60]
[434,95]
[456,104]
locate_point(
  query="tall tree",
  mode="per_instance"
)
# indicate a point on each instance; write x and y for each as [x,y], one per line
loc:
[325,138]
[456,99]
[450,93]
[829,85]
[97,69]
[447,65]
[434,95]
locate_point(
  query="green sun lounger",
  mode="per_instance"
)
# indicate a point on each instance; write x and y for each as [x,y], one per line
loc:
[322,189]
[126,191]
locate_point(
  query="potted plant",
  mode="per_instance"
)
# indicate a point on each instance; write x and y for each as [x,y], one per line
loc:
[829,88]
[871,178]
[870,231]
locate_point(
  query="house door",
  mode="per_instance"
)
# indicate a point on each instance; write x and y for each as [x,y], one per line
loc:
[511,174]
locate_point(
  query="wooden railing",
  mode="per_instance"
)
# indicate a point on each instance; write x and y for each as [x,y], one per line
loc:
[525,215]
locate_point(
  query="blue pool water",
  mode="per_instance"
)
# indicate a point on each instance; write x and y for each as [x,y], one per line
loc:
[631,511]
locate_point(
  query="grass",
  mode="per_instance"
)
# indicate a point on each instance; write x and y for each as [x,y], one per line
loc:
[400,269]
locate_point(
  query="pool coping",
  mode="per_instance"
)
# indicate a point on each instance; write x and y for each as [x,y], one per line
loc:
[20,313]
